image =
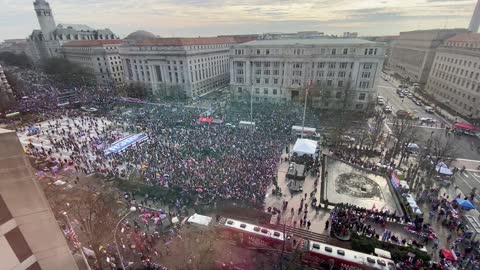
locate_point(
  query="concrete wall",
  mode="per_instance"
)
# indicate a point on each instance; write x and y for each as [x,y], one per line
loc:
[28,228]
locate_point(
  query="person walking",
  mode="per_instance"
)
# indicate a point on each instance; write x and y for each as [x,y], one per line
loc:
[327,223]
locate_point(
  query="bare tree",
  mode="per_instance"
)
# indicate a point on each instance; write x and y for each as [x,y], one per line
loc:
[440,149]
[375,133]
[404,131]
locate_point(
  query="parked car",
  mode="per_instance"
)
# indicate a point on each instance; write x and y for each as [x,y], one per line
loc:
[402,114]
[427,120]
[428,109]
[387,109]
[401,95]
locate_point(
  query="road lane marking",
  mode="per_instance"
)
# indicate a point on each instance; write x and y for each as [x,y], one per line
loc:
[473,160]
[478,180]
[471,187]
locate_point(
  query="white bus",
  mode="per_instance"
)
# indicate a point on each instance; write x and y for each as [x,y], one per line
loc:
[246,124]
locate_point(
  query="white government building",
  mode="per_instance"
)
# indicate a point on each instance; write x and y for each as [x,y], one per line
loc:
[176,66]
[100,57]
[46,42]
[342,71]
[455,75]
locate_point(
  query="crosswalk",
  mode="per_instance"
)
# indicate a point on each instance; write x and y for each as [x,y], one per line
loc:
[468,180]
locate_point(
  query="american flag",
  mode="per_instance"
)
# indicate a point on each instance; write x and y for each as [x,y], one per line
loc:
[72,236]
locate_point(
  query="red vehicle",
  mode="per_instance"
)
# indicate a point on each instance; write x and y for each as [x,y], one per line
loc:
[314,254]
[323,256]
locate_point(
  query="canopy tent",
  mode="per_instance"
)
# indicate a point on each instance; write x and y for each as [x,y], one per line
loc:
[412,204]
[448,254]
[305,147]
[465,204]
[203,119]
[442,168]
[465,126]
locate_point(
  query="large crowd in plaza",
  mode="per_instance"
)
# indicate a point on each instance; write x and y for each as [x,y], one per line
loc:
[209,160]
[205,160]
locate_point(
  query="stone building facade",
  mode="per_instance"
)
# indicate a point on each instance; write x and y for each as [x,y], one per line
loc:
[455,76]
[46,42]
[342,73]
[6,94]
[412,52]
[101,57]
[183,67]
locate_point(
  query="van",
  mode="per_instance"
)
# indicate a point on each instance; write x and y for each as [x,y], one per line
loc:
[198,222]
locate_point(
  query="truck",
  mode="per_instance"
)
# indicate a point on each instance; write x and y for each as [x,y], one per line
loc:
[198,222]
[308,132]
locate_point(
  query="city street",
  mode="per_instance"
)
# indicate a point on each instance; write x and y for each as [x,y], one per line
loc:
[466,145]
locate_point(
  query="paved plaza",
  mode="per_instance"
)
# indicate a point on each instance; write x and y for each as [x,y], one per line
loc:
[347,184]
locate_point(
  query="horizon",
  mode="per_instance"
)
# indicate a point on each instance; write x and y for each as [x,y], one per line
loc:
[193,18]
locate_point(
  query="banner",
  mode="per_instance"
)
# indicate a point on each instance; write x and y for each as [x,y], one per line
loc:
[126,142]
[395,180]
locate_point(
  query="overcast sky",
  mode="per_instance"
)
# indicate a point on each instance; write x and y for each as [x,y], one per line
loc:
[215,17]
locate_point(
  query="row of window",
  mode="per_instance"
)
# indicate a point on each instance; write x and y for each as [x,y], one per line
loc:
[457,80]
[456,61]
[452,90]
[300,51]
[456,70]
[475,45]
[456,98]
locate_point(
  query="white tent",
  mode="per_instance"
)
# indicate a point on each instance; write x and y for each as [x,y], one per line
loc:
[305,147]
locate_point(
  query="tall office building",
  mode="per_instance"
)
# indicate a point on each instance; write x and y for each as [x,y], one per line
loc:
[475,21]
[342,72]
[29,234]
[182,67]
[46,42]
[99,56]
[455,76]
[412,52]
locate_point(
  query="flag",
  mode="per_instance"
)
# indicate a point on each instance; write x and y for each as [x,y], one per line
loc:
[72,236]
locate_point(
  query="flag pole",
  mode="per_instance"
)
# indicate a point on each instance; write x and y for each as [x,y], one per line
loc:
[309,83]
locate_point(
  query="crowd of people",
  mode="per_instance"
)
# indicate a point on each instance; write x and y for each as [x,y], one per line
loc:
[356,156]
[348,218]
[208,160]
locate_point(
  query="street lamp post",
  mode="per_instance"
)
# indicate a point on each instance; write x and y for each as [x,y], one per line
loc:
[131,210]
[309,84]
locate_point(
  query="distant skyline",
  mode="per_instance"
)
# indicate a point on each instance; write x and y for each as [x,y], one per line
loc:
[171,18]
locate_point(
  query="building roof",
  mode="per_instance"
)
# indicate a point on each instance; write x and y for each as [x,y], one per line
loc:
[465,37]
[185,41]
[139,35]
[310,41]
[92,43]
[76,27]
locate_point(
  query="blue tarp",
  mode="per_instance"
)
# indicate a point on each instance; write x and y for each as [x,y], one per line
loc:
[126,142]
[465,204]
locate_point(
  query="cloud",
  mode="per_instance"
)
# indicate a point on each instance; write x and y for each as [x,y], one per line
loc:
[211,17]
